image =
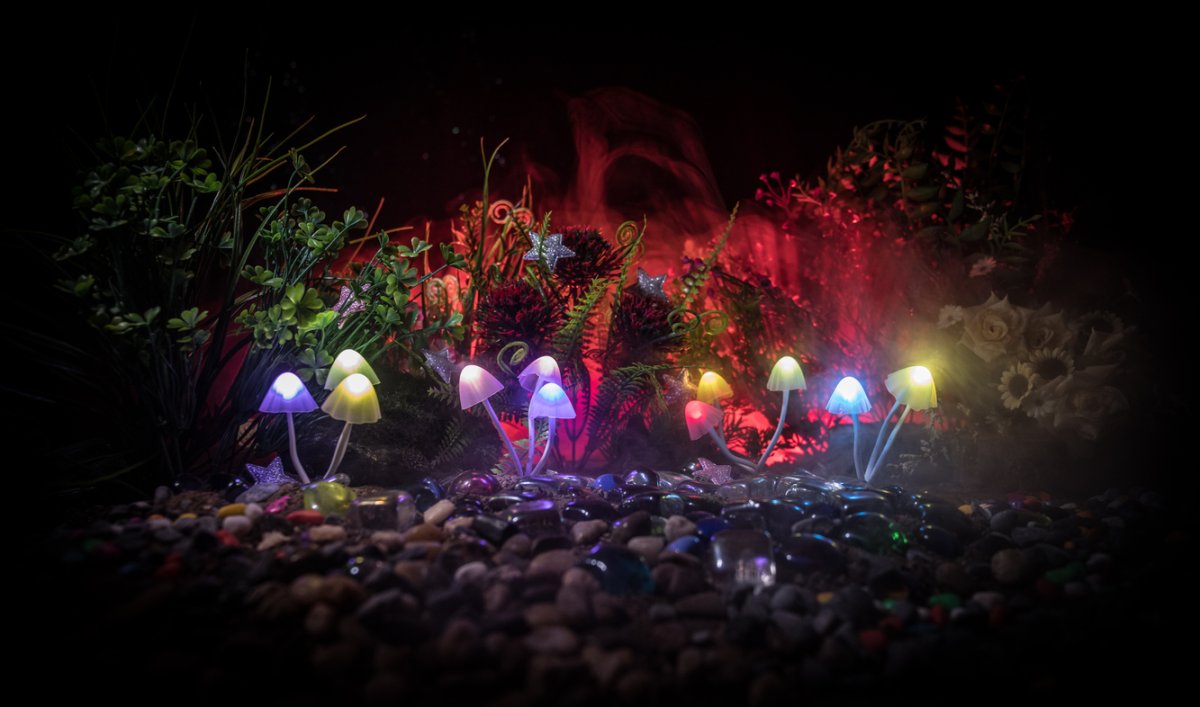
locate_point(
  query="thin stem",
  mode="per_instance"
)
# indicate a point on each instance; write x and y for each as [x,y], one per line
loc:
[338,452]
[532,429]
[292,448]
[516,458]
[740,461]
[871,471]
[858,465]
[778,429]
[545,452]
[879,438]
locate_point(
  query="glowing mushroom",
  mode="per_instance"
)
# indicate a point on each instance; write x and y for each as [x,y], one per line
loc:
[849,398]
[475,386]
[355,403]
[551,402]
[915,390]
[347,363]
[543,369]
[289,396]
[712,388]
[786,376]
[703,419]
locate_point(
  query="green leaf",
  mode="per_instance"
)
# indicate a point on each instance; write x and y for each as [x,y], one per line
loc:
[922,193]
[957,206]
[976,231]
[916,171]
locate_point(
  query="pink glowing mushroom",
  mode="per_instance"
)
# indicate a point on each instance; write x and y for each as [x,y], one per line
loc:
[289,396]
[703,419]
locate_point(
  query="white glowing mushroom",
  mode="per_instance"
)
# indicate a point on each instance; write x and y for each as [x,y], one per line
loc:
[849,398]
[543,369]
[475,386]
[355,403]
[786,376]
[551,402]
[289,396]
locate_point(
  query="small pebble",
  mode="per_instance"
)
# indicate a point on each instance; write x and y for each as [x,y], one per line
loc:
[438,512]
[237,525]
[552,563]
[305,518]
[271,539]
[587,532]
[327,533]
[233,509]
[1010,566]
[647,547]
[679,527]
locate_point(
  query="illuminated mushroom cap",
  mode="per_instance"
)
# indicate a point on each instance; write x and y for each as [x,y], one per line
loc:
[786,375]
[848,398]
[551,401]
[287,394]
[544,368]
[712,387]
[476,385]
[913,386]
[353,401]
[349,362]
[701,417]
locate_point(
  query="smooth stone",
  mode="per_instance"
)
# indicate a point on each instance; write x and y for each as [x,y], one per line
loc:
[734,492]
[327,533]
[607,482]
[862,501]
[492,529]
[1010,566]
[619,570]
[781,516]
[389,539]
[796,630]
[948,516]
[572,600]
[473,483]
[375,513]
[232,509]
[533,488]
[584,509]
[694,503]
[588,532]
[520,545]
[328,497]
[270,540]
[544,614]
[679,527]
[426,492]
[702,605]
[551,563]
[990,601]
[676,580]
[640,477]
[687,545]
[952,577]
[745,516]
[558,640]
[537,515]
[391,616]
[253,511]
[306,518]
[471,573]
[660,503]
[874,532]
[709,527]
[237,525]
[439,512]
[459,525]
[632,525]
[940,540]
[423,533]
[647,547]
[1026,536]
[739,557]
[806,554]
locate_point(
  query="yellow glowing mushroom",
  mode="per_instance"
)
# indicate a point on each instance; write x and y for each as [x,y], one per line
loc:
[347,363]
[915,390]
[713,388]
[786,376]
[355,403]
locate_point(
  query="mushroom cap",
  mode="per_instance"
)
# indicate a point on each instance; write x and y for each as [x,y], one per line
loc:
[287,394]
[701,417]
[475,385]
[786,375]
[551,401]
[544,368]
[349,362]
[353,401]
[848,398]
[914,387]
[712,387]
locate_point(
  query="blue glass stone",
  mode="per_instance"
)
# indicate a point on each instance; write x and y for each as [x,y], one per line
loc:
[863,501]
[498,502]
[619,570]
[607,482]
[762,488]
[805,493]
[672,479]
[588,509]
[874,532]
[687,545]
[782,515]
[532,489]
[640,476]
[700,503]
[693,487]
[426,492]
[947,516]
[473,483]
[741,558]
[806,554]
[493,529]
[531,516]
[745,515]
[940,540]
[711,526]
[735,492]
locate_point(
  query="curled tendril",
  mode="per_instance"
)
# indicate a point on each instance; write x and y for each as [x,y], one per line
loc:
[686,321]
[436,293]
[627,234]
[506,361]
[522,216]
[500,211]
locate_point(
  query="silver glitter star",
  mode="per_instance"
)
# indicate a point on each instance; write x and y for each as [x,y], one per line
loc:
[652,285]
[676,389]
[271,474]
[440,362]
[350,305]
[551,248]
[715,473]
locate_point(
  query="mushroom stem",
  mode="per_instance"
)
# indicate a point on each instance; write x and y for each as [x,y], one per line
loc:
[292,448]
[339,451]
[532,429]
[879,439]
[740,461]
[872,470]
[858,465]
[545,452]
[778,429]
[516,457]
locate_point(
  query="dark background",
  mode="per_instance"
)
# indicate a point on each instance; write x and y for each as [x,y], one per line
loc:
[765,94]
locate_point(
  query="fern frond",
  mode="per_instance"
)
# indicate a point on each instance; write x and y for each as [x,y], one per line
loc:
[572,336]
[694,283]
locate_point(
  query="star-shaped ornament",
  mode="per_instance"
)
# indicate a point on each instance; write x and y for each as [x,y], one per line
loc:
[715,473]
[551,248]
[440,362]
[347,304]
[677,389]
[651,285]
[272,474]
